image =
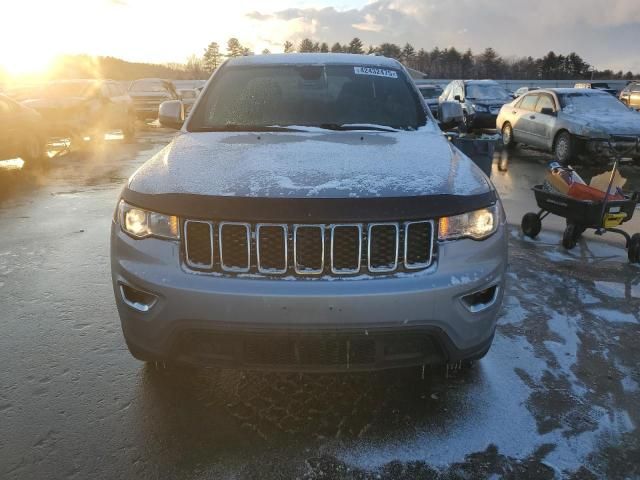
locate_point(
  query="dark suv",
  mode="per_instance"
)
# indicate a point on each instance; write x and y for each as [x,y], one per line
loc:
[149,93]
[481,101]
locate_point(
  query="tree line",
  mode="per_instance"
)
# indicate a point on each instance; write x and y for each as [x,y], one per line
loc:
[436,63]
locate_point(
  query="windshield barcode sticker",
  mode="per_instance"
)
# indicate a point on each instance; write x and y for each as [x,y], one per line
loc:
[378,72]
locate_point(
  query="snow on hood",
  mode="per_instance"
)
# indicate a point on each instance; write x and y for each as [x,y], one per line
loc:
[615,122]
[311,164]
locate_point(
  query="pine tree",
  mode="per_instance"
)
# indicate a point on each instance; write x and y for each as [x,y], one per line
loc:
[306,45]
[324,47]
[337,48]
[212,57]
[355,46]
[235,48]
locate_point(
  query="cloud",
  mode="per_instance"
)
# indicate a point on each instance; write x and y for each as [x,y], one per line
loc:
[603,33]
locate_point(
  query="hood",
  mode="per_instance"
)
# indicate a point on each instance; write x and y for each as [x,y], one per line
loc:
[319,164]
[495,102]
[149,94]
[55,103]
[612,122]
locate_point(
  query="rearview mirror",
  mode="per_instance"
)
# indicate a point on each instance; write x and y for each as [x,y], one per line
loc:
[171,114]
[450,114]
[457,98]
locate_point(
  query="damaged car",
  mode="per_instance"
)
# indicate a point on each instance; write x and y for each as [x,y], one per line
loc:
[481,101]
[570,123]
[82,110]
[149,93]
[23,132]
[311,216]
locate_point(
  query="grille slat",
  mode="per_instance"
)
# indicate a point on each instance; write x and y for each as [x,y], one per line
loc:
[199,249]
[308,250]
[235,246]
[271,248]
[383,240]
[346,248]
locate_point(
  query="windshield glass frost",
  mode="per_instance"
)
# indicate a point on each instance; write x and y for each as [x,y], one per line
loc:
[288,95]
[588,102]
[486,92]
[148,87]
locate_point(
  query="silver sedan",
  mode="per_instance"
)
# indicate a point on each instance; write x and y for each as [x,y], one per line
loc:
[570,122]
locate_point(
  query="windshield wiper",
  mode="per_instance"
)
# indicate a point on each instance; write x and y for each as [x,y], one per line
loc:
[236,127]
[357,126]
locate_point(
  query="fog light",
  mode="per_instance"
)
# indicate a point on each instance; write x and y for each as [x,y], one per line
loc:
[137,299]
[481,300]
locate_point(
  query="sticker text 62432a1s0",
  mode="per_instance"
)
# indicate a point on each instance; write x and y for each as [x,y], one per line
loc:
[378,72]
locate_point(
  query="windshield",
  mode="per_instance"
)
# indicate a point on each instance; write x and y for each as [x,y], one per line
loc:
[588,102]
[315,96]
[430,92]
[148,86]
[61,90]
[478,91]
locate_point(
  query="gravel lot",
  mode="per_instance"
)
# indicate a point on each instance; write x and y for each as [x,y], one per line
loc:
[558,396]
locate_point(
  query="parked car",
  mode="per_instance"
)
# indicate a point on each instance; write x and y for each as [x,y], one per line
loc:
[22,132]
[149,93]
[188,96]
[630,95]
[522,90]
[569,122]
[81,109]
[431,93]
[309,216]
[598,86]
[481,101]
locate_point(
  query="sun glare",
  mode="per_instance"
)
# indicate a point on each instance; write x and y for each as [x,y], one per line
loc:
[21,62]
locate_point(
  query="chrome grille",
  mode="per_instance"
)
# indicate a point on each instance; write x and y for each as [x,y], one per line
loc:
[235,246]
[308,250]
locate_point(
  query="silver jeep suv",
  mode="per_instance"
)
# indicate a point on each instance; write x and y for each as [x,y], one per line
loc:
[309,216]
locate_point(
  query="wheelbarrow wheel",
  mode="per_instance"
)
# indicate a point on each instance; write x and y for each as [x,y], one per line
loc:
[634,249]
[571,235]
[531,225]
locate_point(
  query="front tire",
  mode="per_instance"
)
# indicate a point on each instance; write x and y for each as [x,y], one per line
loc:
[507,136]
[564,148]
[129,131]
[34,152]
[633,251]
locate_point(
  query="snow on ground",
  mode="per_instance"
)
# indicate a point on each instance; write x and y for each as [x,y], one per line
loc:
[534,388]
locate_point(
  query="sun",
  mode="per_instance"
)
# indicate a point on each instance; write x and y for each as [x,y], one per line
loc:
[25,62]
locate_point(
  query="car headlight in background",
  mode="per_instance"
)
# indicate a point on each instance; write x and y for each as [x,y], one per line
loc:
[480,108]
[140,223]
[476,225]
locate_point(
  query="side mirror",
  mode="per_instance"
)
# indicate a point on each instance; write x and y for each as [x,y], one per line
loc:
[450,114]
[547,111]
[171,114]
[457,98]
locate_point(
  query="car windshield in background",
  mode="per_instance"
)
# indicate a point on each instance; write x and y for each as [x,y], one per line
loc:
[430,92]
[486,92]
[588,102]
[331,96]
[63,90]
[148,87]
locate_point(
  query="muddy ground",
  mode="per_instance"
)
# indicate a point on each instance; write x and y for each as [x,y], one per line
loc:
[558,396]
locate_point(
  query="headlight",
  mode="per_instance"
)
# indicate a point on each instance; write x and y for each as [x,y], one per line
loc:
[477,225]
[140,223]
[480,108]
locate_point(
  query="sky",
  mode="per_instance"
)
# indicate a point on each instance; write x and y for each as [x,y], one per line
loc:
[604,32]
